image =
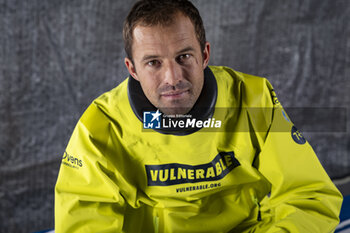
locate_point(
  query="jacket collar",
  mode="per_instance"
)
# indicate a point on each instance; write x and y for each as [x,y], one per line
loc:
[202,110]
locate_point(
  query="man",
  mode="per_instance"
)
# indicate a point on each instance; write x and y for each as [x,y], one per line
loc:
[229,160]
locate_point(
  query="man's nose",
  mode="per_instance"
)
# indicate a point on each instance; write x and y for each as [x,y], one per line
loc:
[173,73]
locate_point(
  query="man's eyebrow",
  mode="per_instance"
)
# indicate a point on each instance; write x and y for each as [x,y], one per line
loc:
[187,49]
[149,57]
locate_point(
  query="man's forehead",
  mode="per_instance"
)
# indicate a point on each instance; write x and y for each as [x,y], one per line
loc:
[154,39]
[159,36]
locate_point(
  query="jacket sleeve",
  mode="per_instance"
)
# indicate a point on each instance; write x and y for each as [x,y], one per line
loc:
[87,197]
[303,198]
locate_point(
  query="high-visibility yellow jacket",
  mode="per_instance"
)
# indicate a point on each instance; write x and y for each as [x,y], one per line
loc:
[257,173]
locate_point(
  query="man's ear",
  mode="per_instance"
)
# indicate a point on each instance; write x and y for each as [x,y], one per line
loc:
[131,68]
[206,54]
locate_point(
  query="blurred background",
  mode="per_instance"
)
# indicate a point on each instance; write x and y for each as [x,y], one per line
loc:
[57,56]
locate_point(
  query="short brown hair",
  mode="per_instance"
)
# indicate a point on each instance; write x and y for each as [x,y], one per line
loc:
[160,12]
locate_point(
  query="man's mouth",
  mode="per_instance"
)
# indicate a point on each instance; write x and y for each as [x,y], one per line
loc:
[174,94]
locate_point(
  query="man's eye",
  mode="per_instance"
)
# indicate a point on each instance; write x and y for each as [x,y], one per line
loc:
[153,63]
[183,58]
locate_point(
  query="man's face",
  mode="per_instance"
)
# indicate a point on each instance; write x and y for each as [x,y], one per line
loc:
[169,64]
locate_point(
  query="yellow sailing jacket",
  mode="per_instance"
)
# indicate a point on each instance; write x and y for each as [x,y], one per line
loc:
[256,173]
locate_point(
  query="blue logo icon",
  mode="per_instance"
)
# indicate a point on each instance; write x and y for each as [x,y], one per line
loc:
[151,120]
[297,136]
